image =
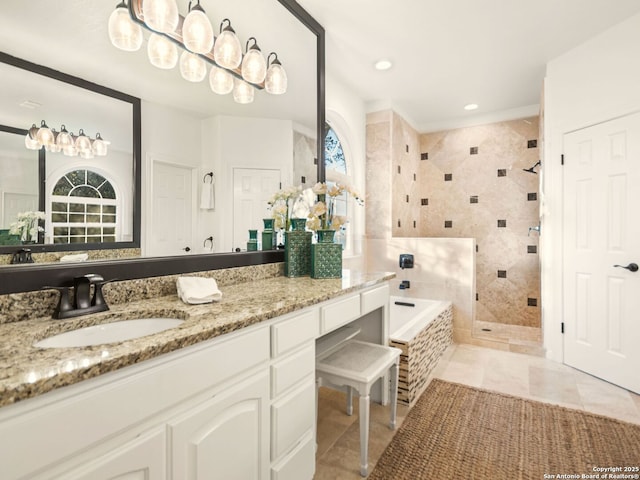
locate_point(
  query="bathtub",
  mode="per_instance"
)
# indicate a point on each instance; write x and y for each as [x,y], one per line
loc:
[422,329]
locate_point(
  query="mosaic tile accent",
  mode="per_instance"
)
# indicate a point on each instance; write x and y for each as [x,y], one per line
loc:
[448,177]
[473,151]
[532,302]
[424,156]
[532,143]
[502,274]
[502,223]
[532,197]
[473,199]
[532,249]
[424,201]
[448,224]
[502,172]
[420,356]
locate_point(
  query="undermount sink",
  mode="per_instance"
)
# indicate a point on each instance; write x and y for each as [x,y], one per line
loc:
[109,333]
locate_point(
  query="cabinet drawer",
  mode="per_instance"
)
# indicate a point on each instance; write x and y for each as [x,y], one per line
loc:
[338,313]
[376,298]
[291,417]
[293,332]
[291,370]
[299,464]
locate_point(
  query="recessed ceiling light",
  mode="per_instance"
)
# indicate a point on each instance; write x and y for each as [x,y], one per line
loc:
[471,106]
[383,65]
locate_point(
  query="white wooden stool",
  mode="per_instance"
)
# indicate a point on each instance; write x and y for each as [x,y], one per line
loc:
[358,365]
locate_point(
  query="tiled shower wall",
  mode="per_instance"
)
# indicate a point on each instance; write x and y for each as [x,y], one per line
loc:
[472,184]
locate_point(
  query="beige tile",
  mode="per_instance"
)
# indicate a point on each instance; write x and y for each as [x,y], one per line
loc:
[553,386]
[606,399]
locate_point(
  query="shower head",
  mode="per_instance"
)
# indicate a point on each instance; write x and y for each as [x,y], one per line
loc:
[532,169]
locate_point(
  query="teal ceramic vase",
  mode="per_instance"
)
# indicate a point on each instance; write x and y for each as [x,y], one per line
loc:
[326,256]
[297,249]
[269,237]
[252,243]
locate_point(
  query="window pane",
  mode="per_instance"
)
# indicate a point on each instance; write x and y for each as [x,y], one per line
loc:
[85,191]
[76,207]
[57,231]
[94,231]
[63,187]
[109,209]
[108,219]
[76,218]
[60,240]
[94,239]
[108,239]
[77,231]
[93,218]
[109,231]
[107,191]
[77,177]
[59,207]
[77,240]
[94,179]
[93,208]
[59,217]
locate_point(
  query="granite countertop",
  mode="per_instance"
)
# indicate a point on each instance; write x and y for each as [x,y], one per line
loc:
[27,371]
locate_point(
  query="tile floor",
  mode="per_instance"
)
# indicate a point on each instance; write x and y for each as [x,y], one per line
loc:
[513,373]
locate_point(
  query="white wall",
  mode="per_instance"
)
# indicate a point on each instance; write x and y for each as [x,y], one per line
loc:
[597,81]
[240,142]
[168,135]
[345,112]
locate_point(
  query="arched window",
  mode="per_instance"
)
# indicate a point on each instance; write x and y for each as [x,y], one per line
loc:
[83,208]
[333,152]
[335,164]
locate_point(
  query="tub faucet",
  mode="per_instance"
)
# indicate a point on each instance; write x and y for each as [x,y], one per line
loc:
[404,284]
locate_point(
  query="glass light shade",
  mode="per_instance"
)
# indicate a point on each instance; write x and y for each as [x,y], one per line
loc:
[192,67]
[197,32]
[242,91]
[86,154]
[160,15]
[162,52]
[64,138]
[276,79]
[254,66]
[99,146]
[227,51]
[83,143]
[123,32]
[70,150]
[54,147]
[45,135]
[220,80]
[31,143]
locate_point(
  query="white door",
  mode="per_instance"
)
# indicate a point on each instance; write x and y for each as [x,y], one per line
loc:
[602,235]
[252,188]
[172,210]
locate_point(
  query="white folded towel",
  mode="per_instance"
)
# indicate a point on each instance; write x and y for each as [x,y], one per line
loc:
[207,196]
[77,257]
[196,290]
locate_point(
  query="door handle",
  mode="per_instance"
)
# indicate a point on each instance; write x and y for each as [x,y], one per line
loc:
[187,249]
[632,267]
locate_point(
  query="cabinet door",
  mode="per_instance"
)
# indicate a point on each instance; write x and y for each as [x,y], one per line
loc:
[227,436]
[143,458]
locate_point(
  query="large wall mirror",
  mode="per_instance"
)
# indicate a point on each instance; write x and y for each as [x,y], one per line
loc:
[186,132]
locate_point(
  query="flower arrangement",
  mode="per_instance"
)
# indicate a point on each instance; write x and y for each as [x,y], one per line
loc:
[282,203]
[27,226]
[322,214]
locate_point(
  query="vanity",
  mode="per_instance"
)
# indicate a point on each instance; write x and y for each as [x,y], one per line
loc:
[230,393]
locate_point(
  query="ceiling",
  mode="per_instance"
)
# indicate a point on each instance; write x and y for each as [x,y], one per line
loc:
[449,53]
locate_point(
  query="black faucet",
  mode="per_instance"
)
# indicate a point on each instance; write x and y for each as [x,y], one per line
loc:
[84,301]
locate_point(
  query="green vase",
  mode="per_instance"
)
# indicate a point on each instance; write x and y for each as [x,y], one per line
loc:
[297,249]
[268,235]
[252,243]
[326,256]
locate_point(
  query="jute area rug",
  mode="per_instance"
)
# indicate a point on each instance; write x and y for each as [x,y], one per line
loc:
[459,432]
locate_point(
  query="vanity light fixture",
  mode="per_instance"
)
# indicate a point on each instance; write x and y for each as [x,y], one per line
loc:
[197,31]
[254,66]
[194,33]
[161,15]
[276,79]
[123,32]
[65,142]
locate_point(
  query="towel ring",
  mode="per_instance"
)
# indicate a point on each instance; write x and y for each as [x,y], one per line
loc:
[210,174]
[209,239]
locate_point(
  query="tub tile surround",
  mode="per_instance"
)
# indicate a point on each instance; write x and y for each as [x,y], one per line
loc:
[505,206]
[421,354]
[28,371]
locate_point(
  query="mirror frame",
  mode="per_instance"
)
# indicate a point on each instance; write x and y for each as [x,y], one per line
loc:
[136,127]
[32,277]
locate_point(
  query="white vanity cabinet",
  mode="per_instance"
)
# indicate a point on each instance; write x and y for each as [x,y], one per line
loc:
[239,406]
